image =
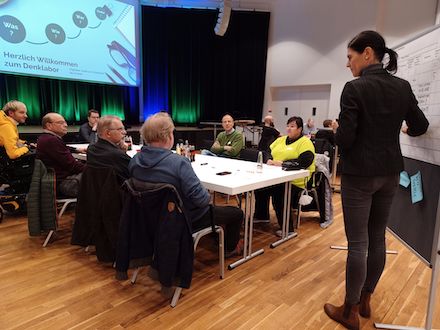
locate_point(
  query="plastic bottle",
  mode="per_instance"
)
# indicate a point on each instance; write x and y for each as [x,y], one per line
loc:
[260,162]
[178,149]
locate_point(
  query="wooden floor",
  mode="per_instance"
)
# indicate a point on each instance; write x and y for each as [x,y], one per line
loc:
[64,287]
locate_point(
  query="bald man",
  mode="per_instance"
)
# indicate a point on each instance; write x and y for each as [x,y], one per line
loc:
[228,143]
[268,135]
[54,153]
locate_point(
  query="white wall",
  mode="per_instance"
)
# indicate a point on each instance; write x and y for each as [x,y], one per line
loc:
[308,38]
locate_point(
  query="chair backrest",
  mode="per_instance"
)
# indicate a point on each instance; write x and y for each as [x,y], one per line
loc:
[41,204]
[251,155]
[17,173]
[98,210]
[323,146]
[154,223]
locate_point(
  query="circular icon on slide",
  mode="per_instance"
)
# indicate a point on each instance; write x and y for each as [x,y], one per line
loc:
[11,29]
[55,33]
[80,19]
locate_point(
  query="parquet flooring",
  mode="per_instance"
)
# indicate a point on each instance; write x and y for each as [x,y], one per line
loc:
[64,287]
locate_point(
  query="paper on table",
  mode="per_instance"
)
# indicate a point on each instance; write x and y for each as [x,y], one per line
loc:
[416,187]
[404,179]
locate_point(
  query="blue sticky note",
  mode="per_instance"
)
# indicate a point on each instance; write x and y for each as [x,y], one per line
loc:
[416,187]
[404,179]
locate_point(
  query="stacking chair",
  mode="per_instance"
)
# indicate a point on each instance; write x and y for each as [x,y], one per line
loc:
[311,191]
[98,211]
[321,192]
[251,155]
[45,208]
[154,230]
[61,204]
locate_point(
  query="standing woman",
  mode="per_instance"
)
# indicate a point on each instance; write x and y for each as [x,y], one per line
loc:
[373,108]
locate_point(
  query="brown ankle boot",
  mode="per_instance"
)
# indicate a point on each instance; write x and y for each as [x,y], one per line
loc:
[347,315]
[364,306]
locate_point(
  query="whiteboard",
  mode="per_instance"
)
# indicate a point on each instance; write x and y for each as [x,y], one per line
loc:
[419,64]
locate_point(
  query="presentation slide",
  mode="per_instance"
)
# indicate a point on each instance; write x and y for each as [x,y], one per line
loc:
[87,40]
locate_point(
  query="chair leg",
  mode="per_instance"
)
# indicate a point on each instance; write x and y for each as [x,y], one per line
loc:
[135,274]
[176,296]
[63,209]
[48,237]
[315,196]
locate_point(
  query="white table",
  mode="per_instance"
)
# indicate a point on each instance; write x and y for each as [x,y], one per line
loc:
[244,178]
[134,149]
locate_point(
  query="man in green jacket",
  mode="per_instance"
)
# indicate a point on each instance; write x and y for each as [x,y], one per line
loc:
[228,143]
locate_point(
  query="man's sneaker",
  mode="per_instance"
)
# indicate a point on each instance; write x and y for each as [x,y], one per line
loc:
[256,220]
[326,224]
[279,233]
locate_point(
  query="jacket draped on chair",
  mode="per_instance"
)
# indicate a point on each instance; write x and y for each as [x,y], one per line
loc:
[154,230]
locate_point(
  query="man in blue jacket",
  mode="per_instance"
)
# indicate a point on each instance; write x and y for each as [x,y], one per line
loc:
[157,164]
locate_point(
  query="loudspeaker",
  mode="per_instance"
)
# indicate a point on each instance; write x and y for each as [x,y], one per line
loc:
[223,17]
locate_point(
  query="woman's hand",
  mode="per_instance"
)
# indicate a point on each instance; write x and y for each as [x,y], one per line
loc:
[274,162]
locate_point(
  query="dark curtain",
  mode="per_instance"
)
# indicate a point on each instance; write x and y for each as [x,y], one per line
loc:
[198,76]
[72,99]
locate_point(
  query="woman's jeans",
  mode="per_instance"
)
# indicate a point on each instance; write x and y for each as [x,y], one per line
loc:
[366,203]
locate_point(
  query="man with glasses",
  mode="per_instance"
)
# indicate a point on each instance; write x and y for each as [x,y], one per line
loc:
[87,131]
[54,153]
[110,149]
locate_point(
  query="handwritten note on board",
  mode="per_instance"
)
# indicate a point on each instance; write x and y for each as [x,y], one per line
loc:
[416,188]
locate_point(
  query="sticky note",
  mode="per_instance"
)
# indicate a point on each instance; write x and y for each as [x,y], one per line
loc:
[416,187]
[404,179]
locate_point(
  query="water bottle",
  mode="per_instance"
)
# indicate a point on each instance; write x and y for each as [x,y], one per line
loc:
[260,162]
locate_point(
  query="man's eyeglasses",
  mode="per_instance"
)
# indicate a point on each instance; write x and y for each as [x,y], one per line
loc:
[120,129]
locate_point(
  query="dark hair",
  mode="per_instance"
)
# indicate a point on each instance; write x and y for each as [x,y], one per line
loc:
[327,123]
[92,111]
[377,43]
[299,122]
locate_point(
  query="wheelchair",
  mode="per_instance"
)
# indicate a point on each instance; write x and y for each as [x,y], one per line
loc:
[15,179]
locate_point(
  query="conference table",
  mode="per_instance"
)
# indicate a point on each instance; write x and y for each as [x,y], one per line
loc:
[82,156]
[232,177]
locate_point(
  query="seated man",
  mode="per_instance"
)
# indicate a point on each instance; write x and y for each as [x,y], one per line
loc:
[54,153]
[326,132]
[110,149]
[87,131]
[268,135]
[309,128]
[16,161]
[157,164]
[228,143]
[13,114]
